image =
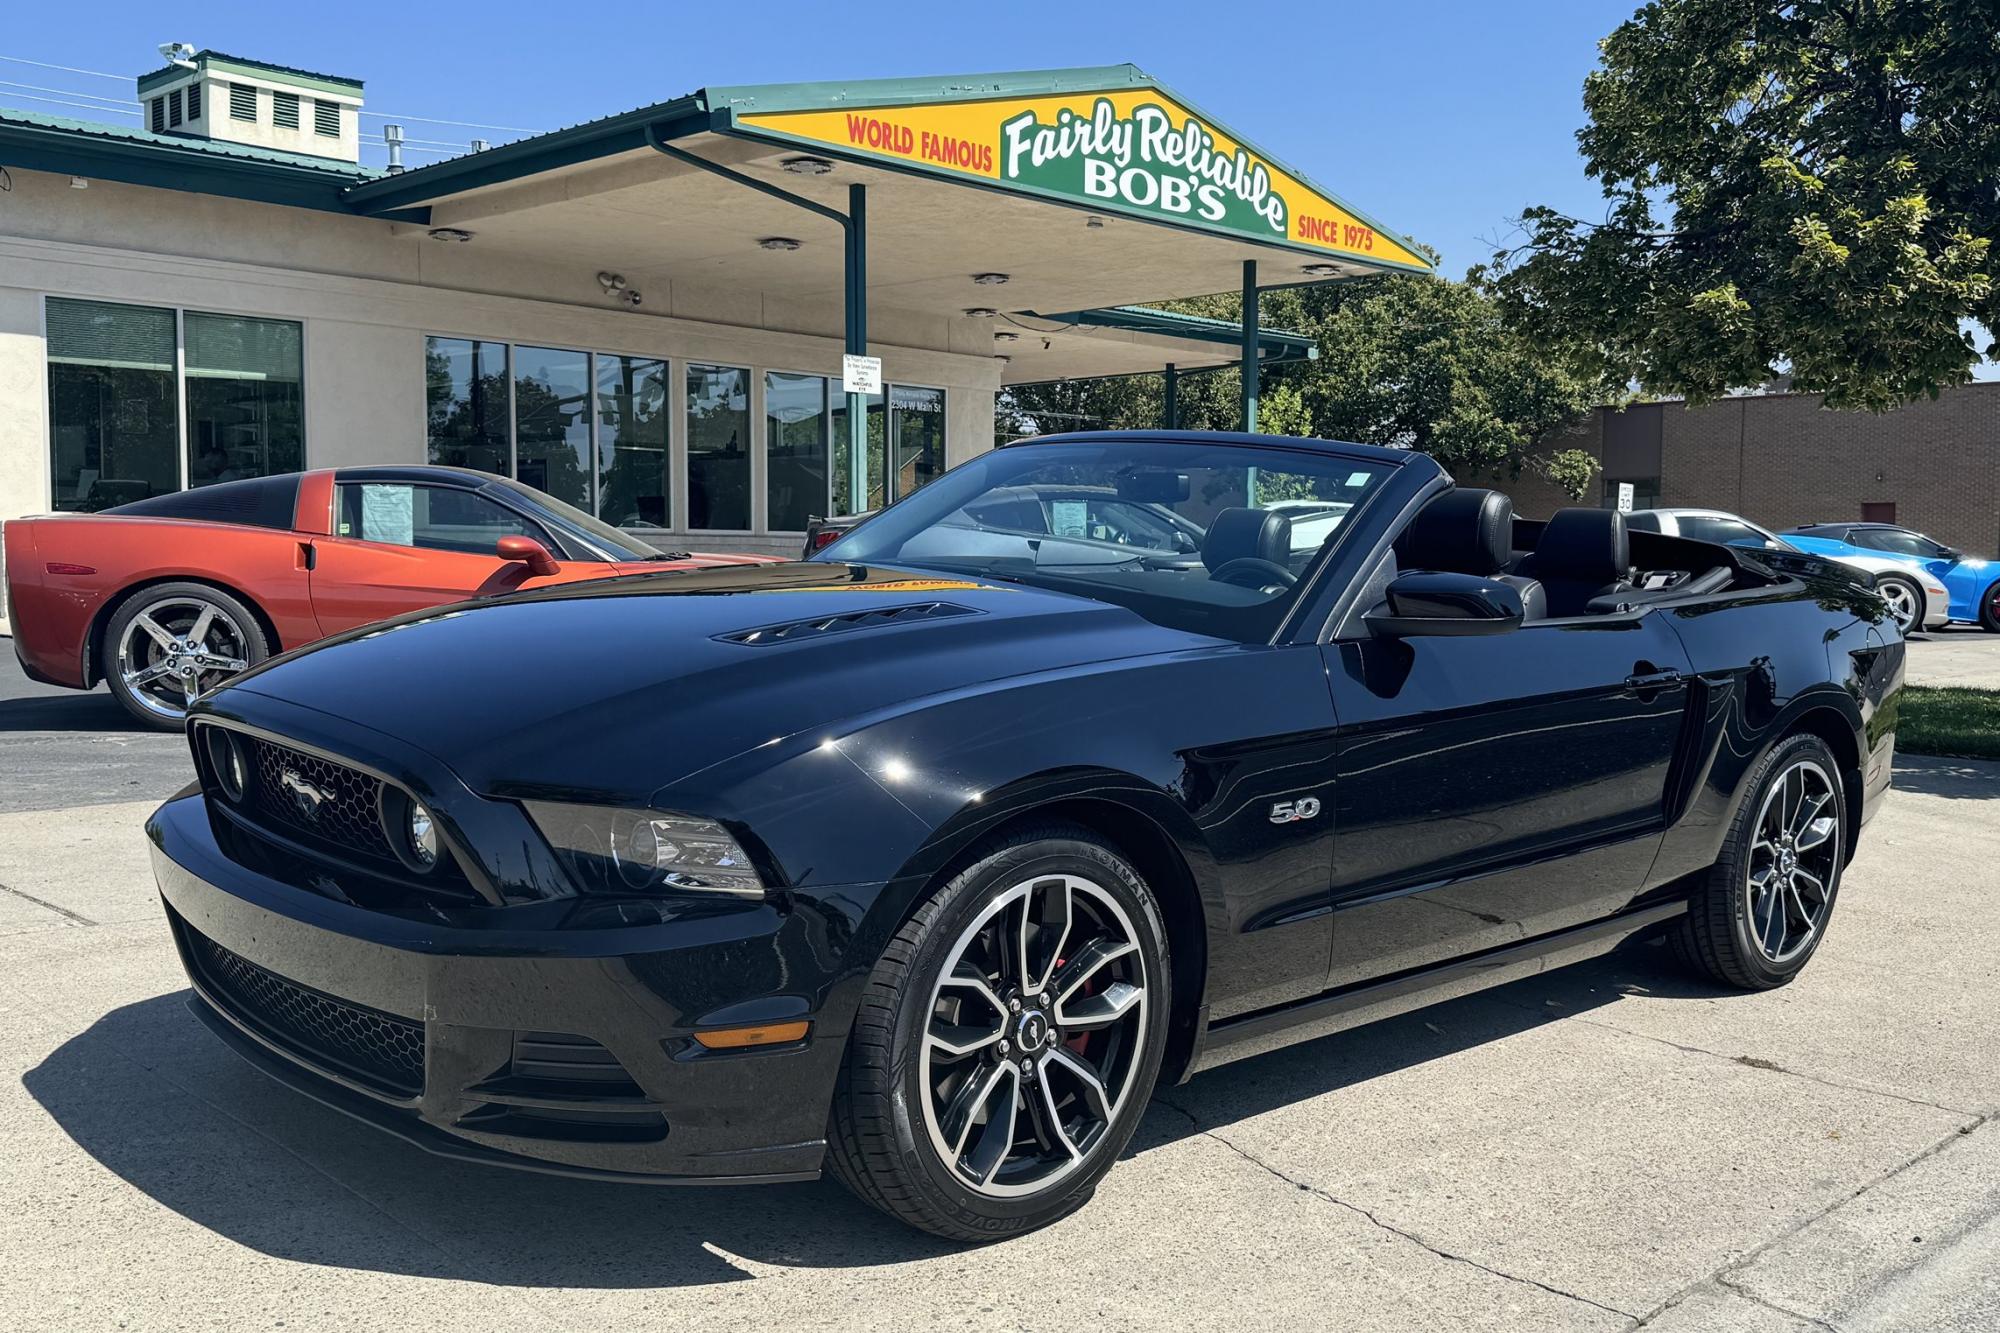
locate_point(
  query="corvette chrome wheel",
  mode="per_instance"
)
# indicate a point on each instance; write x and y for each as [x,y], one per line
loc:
[1794,858]
[1035,1029]
[177,649]
[1905,603]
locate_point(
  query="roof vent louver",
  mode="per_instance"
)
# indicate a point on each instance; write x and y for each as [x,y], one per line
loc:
[792,631]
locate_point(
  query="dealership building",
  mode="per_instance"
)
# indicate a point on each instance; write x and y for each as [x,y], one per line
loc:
[709,319]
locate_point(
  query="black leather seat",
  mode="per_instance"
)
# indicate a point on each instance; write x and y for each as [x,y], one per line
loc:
[1248,534]
[1582,554]
[1469,531]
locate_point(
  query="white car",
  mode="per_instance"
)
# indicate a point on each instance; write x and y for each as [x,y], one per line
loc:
[1918,599]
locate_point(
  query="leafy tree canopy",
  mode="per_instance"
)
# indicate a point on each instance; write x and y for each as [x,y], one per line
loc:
[1411,362]
[1805,188]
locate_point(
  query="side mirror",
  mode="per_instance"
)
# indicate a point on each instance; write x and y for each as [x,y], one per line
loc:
[1425,602]
[530,553]
[1951,553]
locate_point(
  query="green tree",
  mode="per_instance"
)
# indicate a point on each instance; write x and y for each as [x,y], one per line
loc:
[1409,362]
[1802,188]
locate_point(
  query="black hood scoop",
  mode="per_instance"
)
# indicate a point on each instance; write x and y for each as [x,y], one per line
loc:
[791,631]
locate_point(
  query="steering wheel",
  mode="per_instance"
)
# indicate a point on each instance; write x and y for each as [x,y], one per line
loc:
[1247,571]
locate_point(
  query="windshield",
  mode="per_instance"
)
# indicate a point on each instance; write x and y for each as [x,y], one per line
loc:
[612,543]
[1211,538]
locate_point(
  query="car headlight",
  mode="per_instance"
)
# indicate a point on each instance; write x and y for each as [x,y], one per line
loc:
[607,849]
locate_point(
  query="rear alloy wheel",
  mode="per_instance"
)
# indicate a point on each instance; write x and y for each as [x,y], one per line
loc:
[169,645]
[1989,609]
[1905,599]
[1765,907]
[1008,1042]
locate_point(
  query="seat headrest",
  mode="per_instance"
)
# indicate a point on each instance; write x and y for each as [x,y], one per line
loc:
[1588,545]
[1463,531]
[1247,534]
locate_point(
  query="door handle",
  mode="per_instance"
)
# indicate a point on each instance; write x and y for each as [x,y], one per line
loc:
[1653,680]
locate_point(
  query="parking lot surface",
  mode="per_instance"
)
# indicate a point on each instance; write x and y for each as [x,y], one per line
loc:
[1956,656]
[1598,1148]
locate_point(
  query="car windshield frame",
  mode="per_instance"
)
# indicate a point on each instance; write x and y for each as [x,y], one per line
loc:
[614,545]
[1170,588]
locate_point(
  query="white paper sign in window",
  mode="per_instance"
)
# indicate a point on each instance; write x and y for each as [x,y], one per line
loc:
[388,514]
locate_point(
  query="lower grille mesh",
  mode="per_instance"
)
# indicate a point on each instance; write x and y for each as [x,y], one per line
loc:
[379,1049]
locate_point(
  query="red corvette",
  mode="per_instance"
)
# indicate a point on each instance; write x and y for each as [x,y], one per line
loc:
[166,598]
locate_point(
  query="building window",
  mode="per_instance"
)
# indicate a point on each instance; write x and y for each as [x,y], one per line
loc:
[873,471]
[242,102]
[285,110]
[326,119]
[632,464]
[552,418]
[158,110]
[466,392]
[796,421]
[718,447]
[245,397]
[916,421]
[194,101]
[114,433]
[174,108]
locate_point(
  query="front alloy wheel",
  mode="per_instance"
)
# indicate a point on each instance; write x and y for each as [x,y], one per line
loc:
[1906,602]
[1008,1041]
[169,645]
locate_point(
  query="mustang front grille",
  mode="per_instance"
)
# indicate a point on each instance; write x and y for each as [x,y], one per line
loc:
[326,802]
[381,1050]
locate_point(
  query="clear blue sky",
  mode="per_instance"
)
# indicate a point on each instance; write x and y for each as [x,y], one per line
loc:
[1441,119]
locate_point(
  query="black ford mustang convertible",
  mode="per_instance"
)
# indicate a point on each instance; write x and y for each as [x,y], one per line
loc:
[1102,760]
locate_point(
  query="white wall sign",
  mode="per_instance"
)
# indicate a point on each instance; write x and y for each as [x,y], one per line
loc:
[1624,497]
[860,374]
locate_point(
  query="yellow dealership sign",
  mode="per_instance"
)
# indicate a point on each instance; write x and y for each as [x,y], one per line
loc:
[1132,150]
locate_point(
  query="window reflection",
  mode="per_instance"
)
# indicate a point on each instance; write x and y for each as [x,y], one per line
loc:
[113,425]
[245,397]
[466,404]
[795,450]
[632,442]
[843,475]
[917,416]
[552,422]
[718,445]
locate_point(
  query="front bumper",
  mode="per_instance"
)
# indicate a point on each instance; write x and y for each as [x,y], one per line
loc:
[565,1051]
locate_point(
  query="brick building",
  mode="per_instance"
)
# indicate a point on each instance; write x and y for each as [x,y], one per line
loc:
[1782,459]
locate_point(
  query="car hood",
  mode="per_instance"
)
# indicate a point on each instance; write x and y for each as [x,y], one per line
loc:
[656,676]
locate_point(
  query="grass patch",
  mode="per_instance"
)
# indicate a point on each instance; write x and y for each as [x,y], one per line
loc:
[1954,722]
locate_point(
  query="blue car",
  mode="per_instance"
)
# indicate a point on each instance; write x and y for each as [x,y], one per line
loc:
[1973,584]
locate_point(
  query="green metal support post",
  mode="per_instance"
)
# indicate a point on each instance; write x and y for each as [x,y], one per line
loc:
[857,344]
[1172,411]
[1249,345]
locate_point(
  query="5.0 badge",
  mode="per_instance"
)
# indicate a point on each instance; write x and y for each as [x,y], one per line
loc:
[1291,812]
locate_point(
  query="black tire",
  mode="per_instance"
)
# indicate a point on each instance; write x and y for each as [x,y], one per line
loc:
[1720,935]
[234,633]
[880,1144]
[1914,591]
[1989,609]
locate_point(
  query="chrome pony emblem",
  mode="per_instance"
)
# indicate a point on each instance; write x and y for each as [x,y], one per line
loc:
[306,798]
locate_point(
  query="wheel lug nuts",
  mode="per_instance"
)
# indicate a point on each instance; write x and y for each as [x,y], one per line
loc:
[1043,999]
[1004,1046]
[1014,1005]
[1027,1065]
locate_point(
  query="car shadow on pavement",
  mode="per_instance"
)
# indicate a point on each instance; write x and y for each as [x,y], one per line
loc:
[1953,779]
[70,710]
[154,1098]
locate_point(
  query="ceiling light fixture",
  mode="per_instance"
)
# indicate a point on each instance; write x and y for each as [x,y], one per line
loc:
[779,243]
[807,166]
[989,279]
[458,234]
[1322,270]
[1006,336]
[981,311]
[612,283]
[1093,222]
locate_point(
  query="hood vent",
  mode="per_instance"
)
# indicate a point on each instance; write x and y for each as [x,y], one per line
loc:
[792,631]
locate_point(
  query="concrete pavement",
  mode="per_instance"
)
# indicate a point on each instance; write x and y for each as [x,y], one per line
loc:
[1956,656]
[1600,1148]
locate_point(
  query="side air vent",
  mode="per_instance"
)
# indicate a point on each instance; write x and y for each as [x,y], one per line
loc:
[242,102]
[792,631]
